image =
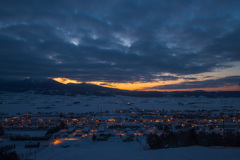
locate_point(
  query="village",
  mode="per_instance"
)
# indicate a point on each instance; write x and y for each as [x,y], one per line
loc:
[125,122]
[133,124]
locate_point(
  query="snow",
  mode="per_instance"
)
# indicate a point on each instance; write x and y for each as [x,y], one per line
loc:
[132,151]
[27,102]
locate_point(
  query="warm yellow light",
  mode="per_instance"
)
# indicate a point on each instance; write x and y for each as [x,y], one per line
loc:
[124,86]
[84,135]
[121,134]
[137,134]
[147,86]
[65,80]
[111,120]
[57,141]
[93,130]
[71,139]
[61,140]
[141,86]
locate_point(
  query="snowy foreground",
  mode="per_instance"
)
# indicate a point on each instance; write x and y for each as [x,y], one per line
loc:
[116,150]
[132,151]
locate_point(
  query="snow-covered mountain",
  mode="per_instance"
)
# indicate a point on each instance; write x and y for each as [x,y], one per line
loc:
[53,87]
[50,86]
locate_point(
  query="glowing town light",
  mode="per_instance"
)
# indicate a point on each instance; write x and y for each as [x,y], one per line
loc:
[61,140]
[57,141]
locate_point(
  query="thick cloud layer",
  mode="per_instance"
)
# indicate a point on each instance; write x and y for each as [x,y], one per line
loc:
[117,40]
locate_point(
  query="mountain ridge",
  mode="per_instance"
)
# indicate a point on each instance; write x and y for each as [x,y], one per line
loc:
[52,87]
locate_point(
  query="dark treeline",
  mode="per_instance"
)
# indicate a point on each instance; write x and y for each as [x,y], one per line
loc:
[189,138]
[7,154]
[27,138]
[1,131]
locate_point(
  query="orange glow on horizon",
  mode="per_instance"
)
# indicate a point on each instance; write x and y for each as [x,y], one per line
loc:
[65,80]
[139,86]
[224,88]
[146,86]
[131,86]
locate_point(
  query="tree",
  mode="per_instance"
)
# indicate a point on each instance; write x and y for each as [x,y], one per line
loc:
[62,125]
[94,137]
[1,131]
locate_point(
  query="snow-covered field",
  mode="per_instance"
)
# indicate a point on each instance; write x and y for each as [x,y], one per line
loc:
[132,151]
[117,150]
[13,103]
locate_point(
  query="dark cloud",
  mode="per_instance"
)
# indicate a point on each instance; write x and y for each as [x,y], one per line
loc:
[226,82]
[117,41]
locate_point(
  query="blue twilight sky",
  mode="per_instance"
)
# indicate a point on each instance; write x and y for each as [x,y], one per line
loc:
[173,44]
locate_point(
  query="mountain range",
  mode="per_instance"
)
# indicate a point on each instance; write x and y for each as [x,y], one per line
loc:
[52,87]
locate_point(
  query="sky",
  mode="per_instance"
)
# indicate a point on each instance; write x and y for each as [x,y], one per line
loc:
[154,45]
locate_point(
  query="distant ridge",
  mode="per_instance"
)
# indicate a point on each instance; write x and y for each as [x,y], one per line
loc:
[51,87]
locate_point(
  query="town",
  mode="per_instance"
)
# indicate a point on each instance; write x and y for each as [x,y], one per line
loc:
[45,129]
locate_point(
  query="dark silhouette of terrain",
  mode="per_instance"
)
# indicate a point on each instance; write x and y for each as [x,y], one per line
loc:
[52,87]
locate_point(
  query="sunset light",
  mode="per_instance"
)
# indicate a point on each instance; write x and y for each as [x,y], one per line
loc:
[140,86]
[66,80]
[148,86]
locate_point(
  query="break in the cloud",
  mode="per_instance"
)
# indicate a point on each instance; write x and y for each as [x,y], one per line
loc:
[217,83]
[118,41]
